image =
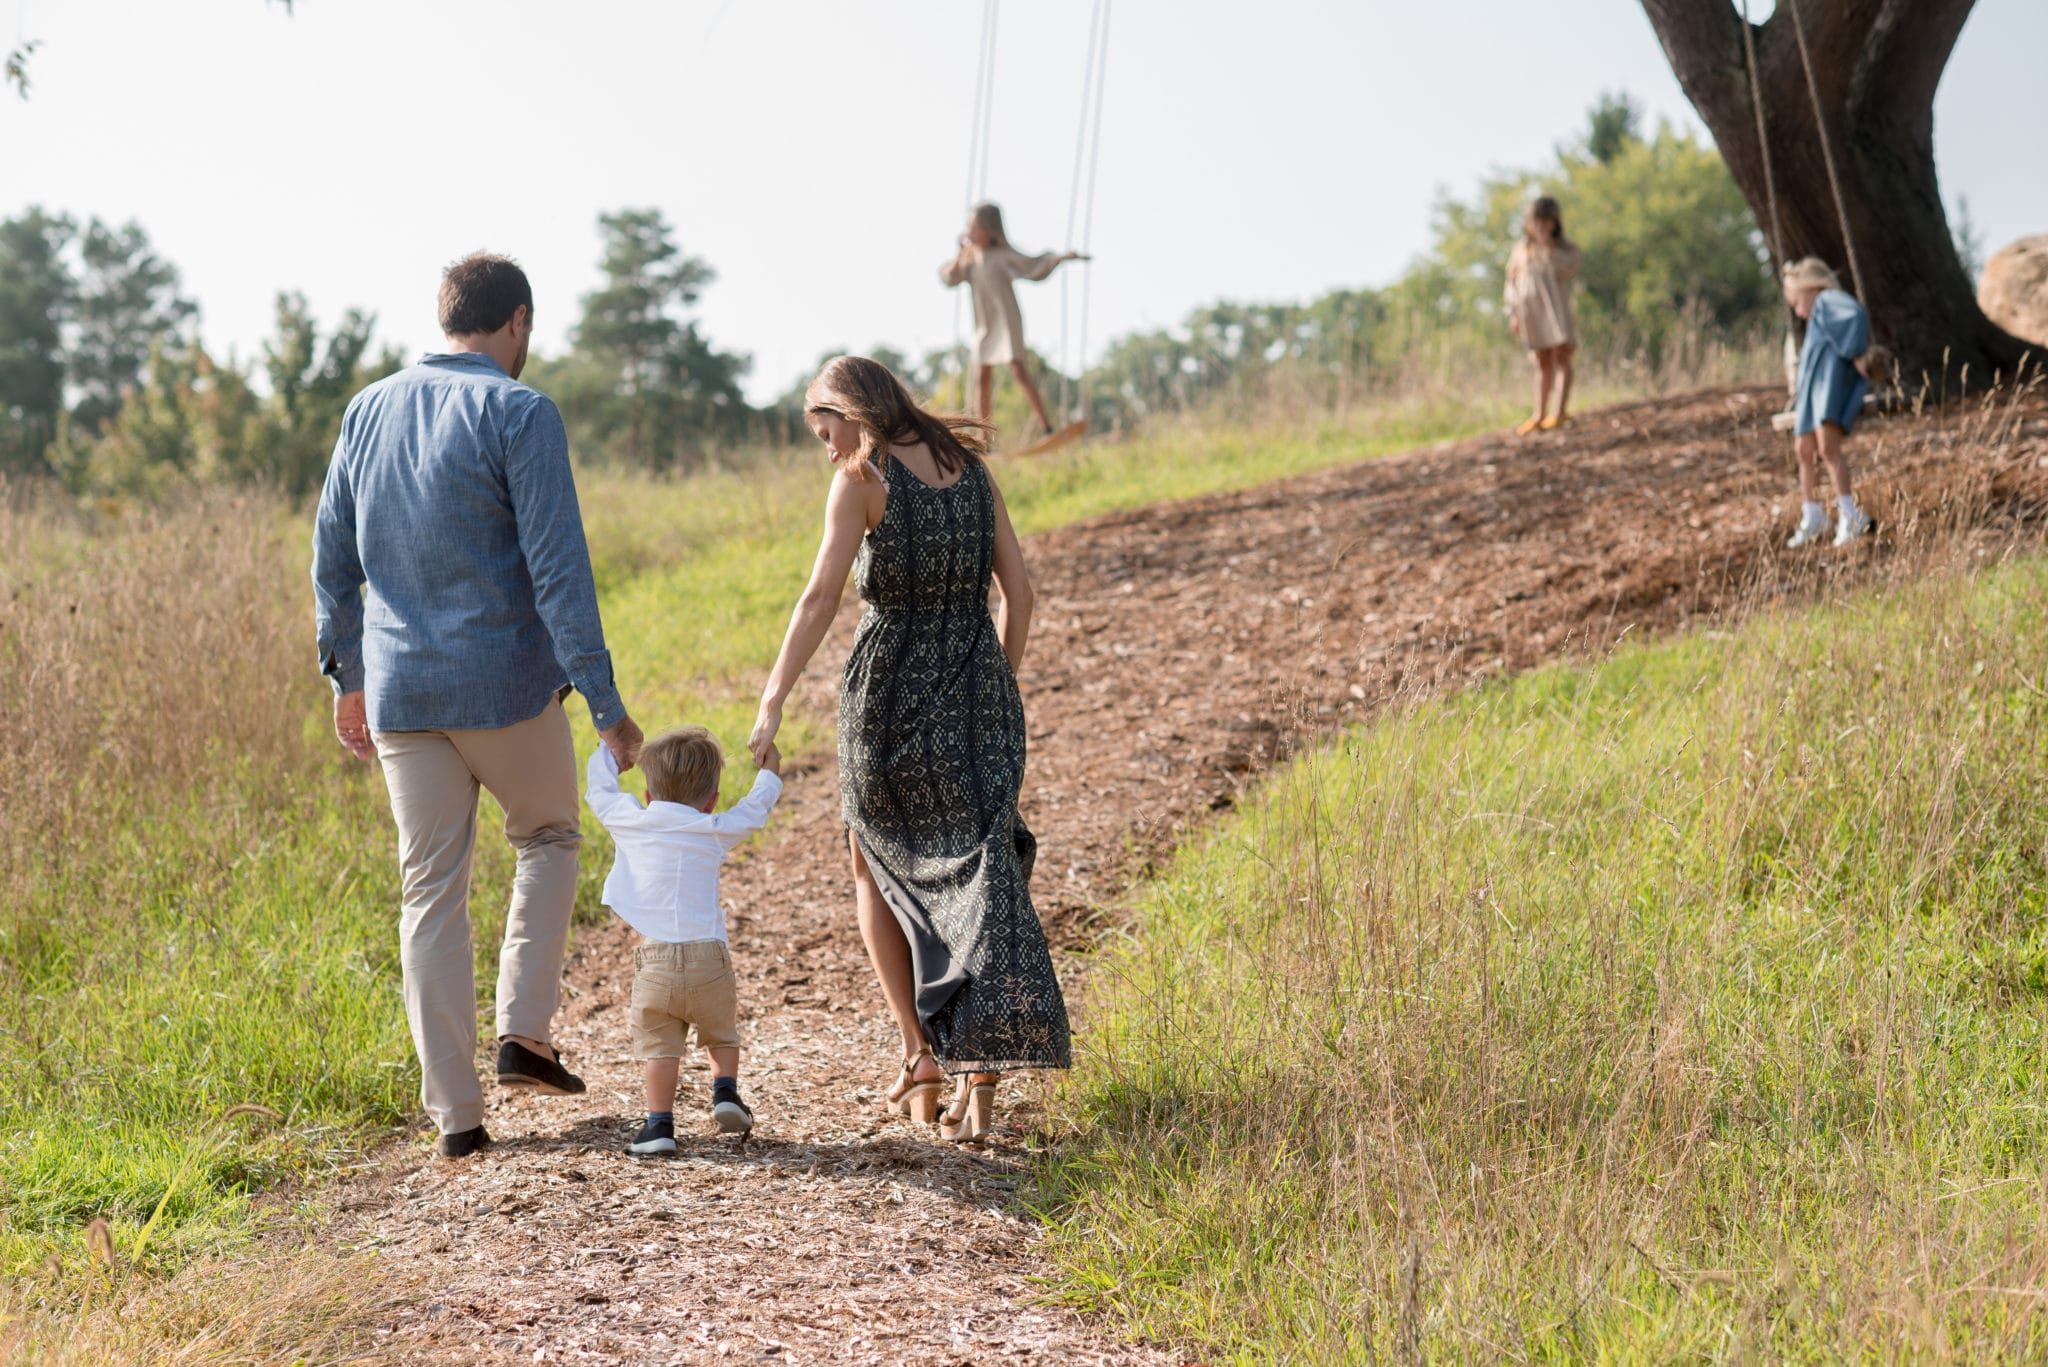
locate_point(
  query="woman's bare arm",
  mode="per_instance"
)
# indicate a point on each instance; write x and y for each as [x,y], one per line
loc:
[847,518]
[1013,581]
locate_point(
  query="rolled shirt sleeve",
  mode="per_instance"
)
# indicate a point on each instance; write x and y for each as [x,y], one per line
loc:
[338,578]
[542,489]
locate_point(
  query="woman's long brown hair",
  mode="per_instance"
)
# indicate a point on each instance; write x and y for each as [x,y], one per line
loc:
[868,394]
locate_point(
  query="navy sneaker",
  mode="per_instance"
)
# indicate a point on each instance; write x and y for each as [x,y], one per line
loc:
[519,1066]
[655,1137]
[728,1112]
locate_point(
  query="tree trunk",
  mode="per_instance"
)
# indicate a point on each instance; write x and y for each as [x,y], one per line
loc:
[1875,64]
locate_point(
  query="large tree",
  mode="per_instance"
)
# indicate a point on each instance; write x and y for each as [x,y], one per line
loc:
[1876,64]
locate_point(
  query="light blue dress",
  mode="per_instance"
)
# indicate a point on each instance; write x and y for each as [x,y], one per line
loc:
[1831,389]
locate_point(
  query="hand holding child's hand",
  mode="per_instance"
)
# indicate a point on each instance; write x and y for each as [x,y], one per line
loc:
[772,760]
[623,739]
[766,723]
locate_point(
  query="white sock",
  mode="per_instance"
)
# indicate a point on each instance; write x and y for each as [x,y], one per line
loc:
[1846,503]
[1816,514]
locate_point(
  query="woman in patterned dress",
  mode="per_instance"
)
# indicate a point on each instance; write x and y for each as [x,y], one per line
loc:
[931,740]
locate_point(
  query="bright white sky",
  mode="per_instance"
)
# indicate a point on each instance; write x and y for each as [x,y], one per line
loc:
[815,151]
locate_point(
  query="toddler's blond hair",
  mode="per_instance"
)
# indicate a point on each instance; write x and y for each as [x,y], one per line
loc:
[1811,273]
[682,765]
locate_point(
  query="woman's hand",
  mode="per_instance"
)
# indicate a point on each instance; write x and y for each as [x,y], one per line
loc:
[761,743]
[1076,256]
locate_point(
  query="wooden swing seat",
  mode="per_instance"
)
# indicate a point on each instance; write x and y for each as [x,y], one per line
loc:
[1052,441]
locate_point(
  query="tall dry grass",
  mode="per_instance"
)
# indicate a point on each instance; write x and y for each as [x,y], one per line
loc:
[150,656]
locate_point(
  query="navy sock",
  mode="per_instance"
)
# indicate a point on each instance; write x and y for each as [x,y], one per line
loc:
[724,1089]
[656,1117]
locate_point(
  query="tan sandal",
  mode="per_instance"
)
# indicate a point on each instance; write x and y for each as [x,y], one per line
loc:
[918,1100]
[969,1121]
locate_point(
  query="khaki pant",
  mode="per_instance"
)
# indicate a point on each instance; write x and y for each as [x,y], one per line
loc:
[433,777]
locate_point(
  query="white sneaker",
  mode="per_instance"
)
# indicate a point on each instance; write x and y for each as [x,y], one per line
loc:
[1851,526]
[1808,533]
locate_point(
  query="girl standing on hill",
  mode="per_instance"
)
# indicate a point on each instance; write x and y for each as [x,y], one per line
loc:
[1539,305]
[1833,378]
[990,267]
[931,740]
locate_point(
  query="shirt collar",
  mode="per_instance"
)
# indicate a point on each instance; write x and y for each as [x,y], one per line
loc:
[471,359]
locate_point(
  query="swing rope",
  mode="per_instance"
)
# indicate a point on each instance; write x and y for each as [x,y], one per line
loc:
[1083,201]
[978,126]
[1763,142]
[1068,376]
[1827,151]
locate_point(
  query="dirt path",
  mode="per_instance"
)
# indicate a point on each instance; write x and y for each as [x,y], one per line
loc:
[1179,650]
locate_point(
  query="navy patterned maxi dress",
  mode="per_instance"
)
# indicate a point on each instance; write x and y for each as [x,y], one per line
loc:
[931,756]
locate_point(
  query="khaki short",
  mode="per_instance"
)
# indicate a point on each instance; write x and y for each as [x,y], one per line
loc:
[676,987]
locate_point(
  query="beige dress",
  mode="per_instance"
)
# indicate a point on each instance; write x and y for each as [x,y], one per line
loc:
[991,275]
[1539,294]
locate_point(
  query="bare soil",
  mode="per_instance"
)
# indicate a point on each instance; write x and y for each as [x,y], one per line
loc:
[1178,652]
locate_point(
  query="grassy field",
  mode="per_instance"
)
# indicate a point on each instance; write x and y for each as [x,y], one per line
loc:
[1687,1006]
[198,978]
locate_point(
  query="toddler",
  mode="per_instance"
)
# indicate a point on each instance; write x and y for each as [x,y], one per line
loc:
[664,884]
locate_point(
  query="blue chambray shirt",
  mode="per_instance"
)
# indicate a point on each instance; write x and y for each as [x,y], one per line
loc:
[451,580]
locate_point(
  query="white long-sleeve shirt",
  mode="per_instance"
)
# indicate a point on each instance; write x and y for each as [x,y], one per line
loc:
[664,881]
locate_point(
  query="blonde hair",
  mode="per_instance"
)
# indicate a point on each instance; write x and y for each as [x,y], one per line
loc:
[1810,273]
[989,218]
[868,394]
[682,765]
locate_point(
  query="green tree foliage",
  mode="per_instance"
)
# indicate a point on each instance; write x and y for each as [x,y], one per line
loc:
[37,289]
[641,385]
[79,316]
[127,300]
[1616,121]
[195,419]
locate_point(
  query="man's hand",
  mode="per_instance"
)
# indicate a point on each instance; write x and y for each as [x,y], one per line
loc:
[772,760]
[623,739]
[352,725]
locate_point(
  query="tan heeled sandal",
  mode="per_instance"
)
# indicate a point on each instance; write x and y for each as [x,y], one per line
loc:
[918,1100]
[969,1121]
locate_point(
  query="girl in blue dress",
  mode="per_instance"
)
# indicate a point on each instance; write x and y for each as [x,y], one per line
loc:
[1833,378]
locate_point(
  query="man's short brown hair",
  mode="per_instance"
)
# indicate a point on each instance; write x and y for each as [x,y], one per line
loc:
[480,293]
[682,765]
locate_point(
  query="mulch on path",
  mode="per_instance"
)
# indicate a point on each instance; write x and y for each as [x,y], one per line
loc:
[1178,652]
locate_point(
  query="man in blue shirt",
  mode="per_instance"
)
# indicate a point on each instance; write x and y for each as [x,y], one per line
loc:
[455,609]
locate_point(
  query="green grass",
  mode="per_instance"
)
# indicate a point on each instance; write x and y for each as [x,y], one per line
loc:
[1688,1005]
[198,894]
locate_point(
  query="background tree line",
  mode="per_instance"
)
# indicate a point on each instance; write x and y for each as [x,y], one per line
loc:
[107,387]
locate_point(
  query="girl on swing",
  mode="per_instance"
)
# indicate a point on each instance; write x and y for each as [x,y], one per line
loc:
[990,267]
[1539,306]
[1834,371]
